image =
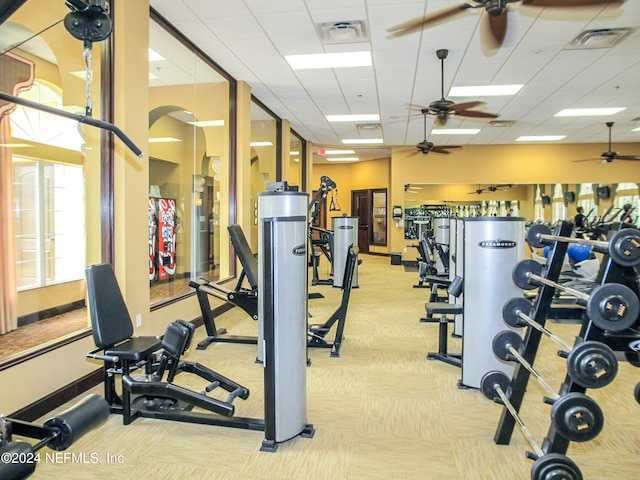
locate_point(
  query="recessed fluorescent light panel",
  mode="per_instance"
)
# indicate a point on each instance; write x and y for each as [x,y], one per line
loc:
[329,60]
[164,140]
[354,118]
[208,123]
[343,159]
[362,141]
[485,91]
[588,112]
[338,152]
[636,129]
[155,56]
[294,153]
[261,144]
[455,131]
[539,138]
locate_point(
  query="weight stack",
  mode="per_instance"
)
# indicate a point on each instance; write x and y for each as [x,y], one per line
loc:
[282,313]
[492,247]
[441,234]
[345,234]
[456,266]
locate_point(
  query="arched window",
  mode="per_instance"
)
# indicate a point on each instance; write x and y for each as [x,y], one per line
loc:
[42,127]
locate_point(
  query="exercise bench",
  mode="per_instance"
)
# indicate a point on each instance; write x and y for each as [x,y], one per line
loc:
[245,298]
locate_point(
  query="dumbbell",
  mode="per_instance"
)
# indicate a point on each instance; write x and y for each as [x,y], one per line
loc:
[623,247]
[496,386]
[575,416]
[590,364]
[611,307]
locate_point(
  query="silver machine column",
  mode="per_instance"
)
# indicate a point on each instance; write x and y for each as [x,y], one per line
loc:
[282,314]
[441,238]
[345,234]
[492,247]
[456,259]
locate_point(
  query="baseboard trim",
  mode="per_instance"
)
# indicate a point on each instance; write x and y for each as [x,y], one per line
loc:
[61,396]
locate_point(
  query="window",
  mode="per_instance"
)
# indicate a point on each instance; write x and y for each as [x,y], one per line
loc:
[48,196]
[49,200]
[379,226]
[559,207]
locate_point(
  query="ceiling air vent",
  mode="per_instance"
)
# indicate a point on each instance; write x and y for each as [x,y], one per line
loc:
[600,38]
[342,32]
[368,126]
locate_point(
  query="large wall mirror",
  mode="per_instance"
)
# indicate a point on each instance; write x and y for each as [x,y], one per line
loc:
[49,182]
[537,203]
[188,167]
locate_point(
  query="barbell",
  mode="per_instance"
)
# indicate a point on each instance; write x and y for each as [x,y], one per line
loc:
[575,416]
[611,307]
[496,386]
[623,247]
[590,364]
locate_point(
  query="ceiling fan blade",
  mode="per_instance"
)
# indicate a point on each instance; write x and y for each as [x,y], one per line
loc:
[416,24]
[592,159]
[627,157]
[473,113]
[466,105]
[440,150]
[497,29]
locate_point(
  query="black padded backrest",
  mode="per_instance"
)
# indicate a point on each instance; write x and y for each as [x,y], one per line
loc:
[455,287]
[424,252]
[110,319]
[243,250]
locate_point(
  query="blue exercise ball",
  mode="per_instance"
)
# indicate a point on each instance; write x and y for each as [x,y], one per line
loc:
[578,252]
[545,251]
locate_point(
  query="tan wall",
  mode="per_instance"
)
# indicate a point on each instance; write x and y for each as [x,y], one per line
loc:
[497,164]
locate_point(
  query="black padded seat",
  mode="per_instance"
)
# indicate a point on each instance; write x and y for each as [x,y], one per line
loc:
[443,308]
[110,320]
[135,349]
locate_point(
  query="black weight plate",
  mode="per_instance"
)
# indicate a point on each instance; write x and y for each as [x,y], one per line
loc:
[533,235]
[492,379]
[613,307]
[502,340]
[624,247]
[592,364]
[636,392]
[555,466]
[521,271]
[577,417]
[633,358]
[510,311]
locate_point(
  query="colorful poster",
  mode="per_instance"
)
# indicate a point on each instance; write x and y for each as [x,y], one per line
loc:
[166,238]
[153,232]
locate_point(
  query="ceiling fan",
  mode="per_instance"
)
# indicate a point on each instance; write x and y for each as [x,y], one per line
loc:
[491,188]
[609,156]
[426,146]
[443,108]
[496,17]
